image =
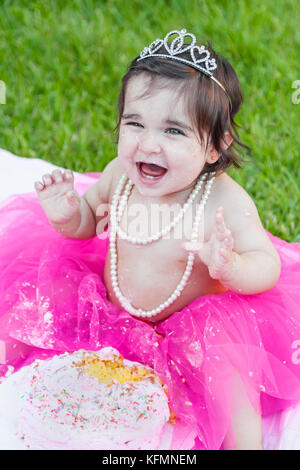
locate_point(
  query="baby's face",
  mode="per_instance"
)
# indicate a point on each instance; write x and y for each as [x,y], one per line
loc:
[158,148]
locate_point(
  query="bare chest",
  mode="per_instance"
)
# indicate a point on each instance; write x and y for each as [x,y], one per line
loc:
[149,274]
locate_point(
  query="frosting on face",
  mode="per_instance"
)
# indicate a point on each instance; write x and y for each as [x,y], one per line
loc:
[91,400]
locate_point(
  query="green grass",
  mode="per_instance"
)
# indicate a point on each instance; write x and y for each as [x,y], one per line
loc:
[62,62]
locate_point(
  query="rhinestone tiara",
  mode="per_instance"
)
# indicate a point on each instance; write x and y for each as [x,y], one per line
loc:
[199,56]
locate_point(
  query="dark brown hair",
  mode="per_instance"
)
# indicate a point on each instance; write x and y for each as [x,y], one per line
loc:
[207,104]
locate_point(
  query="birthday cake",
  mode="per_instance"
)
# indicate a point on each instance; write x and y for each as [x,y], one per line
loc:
[91,400]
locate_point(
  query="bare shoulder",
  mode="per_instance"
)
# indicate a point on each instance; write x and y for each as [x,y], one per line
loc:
[242,217]
[239,207]
[107,179]
[100,191]
[98,194]
[116,176]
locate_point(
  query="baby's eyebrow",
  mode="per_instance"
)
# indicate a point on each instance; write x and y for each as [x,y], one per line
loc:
[169,121]
[130,116]
[173,122]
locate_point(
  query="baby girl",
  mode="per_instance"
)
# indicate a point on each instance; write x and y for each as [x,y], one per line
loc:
[176,139]
[163,150]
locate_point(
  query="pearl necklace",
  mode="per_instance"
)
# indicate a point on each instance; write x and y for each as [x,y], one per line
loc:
[116,214]
[167,229]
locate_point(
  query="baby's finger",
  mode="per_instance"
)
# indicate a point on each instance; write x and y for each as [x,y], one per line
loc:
[220,224]
[47,179]
[219,217]
[228,240]
[225,254]
[57,176]
[68,175]
[38,186]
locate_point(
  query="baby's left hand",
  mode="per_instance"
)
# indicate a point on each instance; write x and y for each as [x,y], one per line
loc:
[217,253]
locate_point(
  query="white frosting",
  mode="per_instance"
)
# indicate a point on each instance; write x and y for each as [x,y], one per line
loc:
[66,408]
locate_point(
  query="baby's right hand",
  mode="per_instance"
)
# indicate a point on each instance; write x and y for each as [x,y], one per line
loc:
[57,196]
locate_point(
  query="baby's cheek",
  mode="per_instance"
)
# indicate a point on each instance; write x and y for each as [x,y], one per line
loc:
[127,145]
[194,152]
[127,138]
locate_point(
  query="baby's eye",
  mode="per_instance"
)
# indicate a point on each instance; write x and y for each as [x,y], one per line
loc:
[175,131]
[137,124]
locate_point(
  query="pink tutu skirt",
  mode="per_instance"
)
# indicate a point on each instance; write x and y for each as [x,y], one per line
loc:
[53,298]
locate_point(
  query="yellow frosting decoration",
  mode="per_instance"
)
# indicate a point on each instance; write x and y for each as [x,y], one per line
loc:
[110,371]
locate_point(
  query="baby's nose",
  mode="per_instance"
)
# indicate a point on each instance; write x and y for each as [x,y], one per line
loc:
[148,143]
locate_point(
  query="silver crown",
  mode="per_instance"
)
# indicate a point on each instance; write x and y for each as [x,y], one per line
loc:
[199,56]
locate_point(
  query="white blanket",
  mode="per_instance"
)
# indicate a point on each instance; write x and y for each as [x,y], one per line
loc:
[17,175]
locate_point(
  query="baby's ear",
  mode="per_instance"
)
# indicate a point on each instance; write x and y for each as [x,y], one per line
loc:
[227,140]
[213,155]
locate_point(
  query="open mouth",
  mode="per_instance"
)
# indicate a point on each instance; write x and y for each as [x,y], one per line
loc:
[151,170]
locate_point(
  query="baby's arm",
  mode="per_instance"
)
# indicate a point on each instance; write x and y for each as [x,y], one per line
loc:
[239,253]
[71,215]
